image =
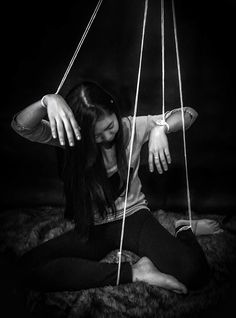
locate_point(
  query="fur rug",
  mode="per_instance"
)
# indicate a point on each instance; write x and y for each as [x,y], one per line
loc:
[22,229]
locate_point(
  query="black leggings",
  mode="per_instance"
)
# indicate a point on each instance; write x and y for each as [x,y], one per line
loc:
[66,263]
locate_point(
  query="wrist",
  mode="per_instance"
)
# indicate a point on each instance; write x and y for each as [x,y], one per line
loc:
[43,101]
[158,130]
[162,123]
[49,98]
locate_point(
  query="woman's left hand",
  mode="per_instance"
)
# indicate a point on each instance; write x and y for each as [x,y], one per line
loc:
[158,150]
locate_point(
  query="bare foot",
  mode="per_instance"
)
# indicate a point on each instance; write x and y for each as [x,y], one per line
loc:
[202,226]
[144,270]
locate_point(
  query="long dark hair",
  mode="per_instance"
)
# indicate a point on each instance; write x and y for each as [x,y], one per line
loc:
[85,179]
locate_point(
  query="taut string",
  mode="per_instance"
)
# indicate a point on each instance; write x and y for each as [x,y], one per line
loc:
[132,140]
[180,93]
[79,45]
[182,112]
[163,57]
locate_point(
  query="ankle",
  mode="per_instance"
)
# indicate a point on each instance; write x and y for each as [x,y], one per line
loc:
[182,228]
[139,268]
[135,273]
[181,222]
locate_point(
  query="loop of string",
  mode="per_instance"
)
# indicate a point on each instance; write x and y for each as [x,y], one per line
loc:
[182,113]
[79,46]
[132,140]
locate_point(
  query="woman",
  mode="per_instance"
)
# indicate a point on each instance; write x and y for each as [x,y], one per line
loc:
[96,143]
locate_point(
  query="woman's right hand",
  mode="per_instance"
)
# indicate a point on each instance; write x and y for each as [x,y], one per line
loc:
[61,118]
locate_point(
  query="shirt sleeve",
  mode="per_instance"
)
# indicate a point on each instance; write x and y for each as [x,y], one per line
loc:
[144,124]
[41,133]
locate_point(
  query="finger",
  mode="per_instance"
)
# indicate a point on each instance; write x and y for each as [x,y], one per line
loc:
[157,163]
[75,127]
[69,132]
[60,131]
[150,161]
[163,161]
[168,157]
[53,127]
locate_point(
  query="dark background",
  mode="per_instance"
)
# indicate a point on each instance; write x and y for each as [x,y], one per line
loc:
[39,41]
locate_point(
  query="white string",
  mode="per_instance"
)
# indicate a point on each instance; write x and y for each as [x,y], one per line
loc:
[182,112]
[163,57]
[132,140]
[79,46]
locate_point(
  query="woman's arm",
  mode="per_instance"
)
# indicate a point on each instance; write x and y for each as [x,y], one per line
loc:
[174,119]
[159,153]
[31,116]
[61,118]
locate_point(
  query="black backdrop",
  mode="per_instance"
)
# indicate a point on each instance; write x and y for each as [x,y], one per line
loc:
[39,40]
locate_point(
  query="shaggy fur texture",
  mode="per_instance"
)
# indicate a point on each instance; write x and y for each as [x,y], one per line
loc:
[22,229]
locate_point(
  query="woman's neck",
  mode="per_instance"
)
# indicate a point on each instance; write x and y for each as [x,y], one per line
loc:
[109,156]
[108,151]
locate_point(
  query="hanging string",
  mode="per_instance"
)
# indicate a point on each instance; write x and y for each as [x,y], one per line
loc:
[79,46]
[182,112]
[132,140]
[163,57]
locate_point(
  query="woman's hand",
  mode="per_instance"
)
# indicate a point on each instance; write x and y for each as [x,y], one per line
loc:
[158,150]
[62,120]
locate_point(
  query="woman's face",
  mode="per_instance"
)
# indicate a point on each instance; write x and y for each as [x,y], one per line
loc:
[106,129]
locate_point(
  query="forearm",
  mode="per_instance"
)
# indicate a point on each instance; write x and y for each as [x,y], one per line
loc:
[61,121]
[174,120]
[32,115]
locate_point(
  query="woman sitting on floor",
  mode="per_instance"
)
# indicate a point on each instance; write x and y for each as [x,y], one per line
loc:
[96,143]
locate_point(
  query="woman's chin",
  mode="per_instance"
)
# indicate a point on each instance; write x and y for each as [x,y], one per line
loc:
[108,144]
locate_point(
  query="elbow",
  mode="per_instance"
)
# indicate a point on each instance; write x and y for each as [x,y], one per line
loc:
[16,126]
[190,116]
[193,112]
[13,123]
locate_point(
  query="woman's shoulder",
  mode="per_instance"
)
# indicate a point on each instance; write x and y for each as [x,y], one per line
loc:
[127,126]
[126,121]
[140,127]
